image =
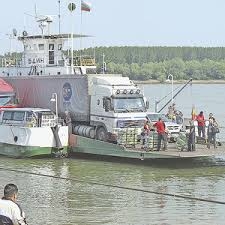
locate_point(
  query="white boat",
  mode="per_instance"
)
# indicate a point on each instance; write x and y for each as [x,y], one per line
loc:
[30,132]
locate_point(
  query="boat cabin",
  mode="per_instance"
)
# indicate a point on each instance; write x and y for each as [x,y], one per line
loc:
[43,54]
[28,117]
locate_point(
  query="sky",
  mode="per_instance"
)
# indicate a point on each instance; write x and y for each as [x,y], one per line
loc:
[121,22]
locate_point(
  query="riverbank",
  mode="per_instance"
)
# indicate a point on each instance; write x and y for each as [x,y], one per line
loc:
[180,82]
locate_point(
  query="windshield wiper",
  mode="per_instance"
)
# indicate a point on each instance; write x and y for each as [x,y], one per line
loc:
[137,109]
[122,110]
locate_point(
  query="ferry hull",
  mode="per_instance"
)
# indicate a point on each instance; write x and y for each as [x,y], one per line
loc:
[82,145]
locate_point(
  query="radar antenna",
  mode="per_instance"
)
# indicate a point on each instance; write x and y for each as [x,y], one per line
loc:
[43,20]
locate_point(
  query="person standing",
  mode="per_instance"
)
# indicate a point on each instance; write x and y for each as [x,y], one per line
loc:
[201,124]
[210,116]
[161,130]
[191,137]
[68,122]
[145,136]
[211,132]
[10,212]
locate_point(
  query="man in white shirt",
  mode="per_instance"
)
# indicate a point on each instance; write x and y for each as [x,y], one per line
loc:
[10,211]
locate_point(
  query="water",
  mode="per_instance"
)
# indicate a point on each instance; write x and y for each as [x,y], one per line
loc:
[49,200]
[76,201]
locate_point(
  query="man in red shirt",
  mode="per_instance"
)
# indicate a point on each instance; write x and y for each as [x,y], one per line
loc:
[201,124]
[160,126]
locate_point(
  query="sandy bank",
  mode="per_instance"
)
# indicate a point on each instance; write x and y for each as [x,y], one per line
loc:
[181,82]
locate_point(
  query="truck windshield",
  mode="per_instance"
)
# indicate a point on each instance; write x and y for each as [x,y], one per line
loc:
[4,100]
[129,105]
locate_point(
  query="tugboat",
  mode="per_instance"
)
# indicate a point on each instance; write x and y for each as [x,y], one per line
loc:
[32,132]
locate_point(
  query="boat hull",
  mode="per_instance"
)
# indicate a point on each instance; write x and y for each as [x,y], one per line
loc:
[32,142]
[86,146]
[16,151]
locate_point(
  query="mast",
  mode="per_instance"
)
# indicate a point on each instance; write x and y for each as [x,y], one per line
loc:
[72,7]
[59,16]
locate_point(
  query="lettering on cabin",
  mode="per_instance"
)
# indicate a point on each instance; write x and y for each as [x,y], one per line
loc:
[35,60]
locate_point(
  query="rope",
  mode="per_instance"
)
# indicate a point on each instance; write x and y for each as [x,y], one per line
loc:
[119,187]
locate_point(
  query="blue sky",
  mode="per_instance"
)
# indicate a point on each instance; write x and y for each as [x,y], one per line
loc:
[124,22]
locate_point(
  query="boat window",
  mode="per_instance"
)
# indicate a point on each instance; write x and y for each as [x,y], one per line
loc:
[29,116]
[51,47]
[59,46]
[51,59]
[5,100]
[18,116]
[41,46]
[7,115]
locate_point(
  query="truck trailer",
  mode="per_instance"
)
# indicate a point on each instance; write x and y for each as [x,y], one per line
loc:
[100,106]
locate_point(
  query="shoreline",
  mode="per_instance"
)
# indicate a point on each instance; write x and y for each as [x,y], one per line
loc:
[180,82]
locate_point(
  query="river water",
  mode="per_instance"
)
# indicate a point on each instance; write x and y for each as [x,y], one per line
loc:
[81,191]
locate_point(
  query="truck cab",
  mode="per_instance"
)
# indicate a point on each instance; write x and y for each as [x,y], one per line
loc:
[117,106]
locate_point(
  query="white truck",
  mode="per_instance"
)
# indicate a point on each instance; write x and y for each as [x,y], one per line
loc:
[100,105]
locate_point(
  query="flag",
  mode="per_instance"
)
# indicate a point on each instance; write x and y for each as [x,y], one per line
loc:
[85,6]
[193,113]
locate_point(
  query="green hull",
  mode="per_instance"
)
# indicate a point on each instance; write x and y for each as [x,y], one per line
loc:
[83,145]
[95,147]
[17,151]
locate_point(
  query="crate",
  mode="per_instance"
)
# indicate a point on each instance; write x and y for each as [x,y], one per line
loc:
[128,137]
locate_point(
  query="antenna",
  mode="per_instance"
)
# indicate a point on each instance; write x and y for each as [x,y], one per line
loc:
[71,8]
[14,32]
[43,20]
[35,11]
[59,16]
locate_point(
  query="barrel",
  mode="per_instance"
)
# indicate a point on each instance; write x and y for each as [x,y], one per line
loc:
[85,131]
[91,132]
[77,130]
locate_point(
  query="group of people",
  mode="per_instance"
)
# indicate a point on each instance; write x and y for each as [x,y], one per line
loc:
[162,134]
[174,114]
[212,128]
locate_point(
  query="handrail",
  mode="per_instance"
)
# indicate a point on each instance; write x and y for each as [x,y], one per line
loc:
[189,81]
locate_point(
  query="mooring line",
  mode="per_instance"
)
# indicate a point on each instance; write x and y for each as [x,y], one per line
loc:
[116,186]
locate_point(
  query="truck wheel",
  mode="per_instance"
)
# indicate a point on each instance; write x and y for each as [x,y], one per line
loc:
[101,134]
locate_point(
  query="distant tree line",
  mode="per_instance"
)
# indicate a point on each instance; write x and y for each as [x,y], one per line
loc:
[144,63]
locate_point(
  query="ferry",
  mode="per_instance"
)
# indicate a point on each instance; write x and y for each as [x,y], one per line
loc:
[99,126]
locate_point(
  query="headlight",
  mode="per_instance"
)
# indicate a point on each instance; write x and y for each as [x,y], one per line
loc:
[138,91]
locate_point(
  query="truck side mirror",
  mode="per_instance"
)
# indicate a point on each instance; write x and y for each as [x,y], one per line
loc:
[147,104]
[107,105]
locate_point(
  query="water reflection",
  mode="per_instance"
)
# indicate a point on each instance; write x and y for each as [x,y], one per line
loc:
[48,200]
